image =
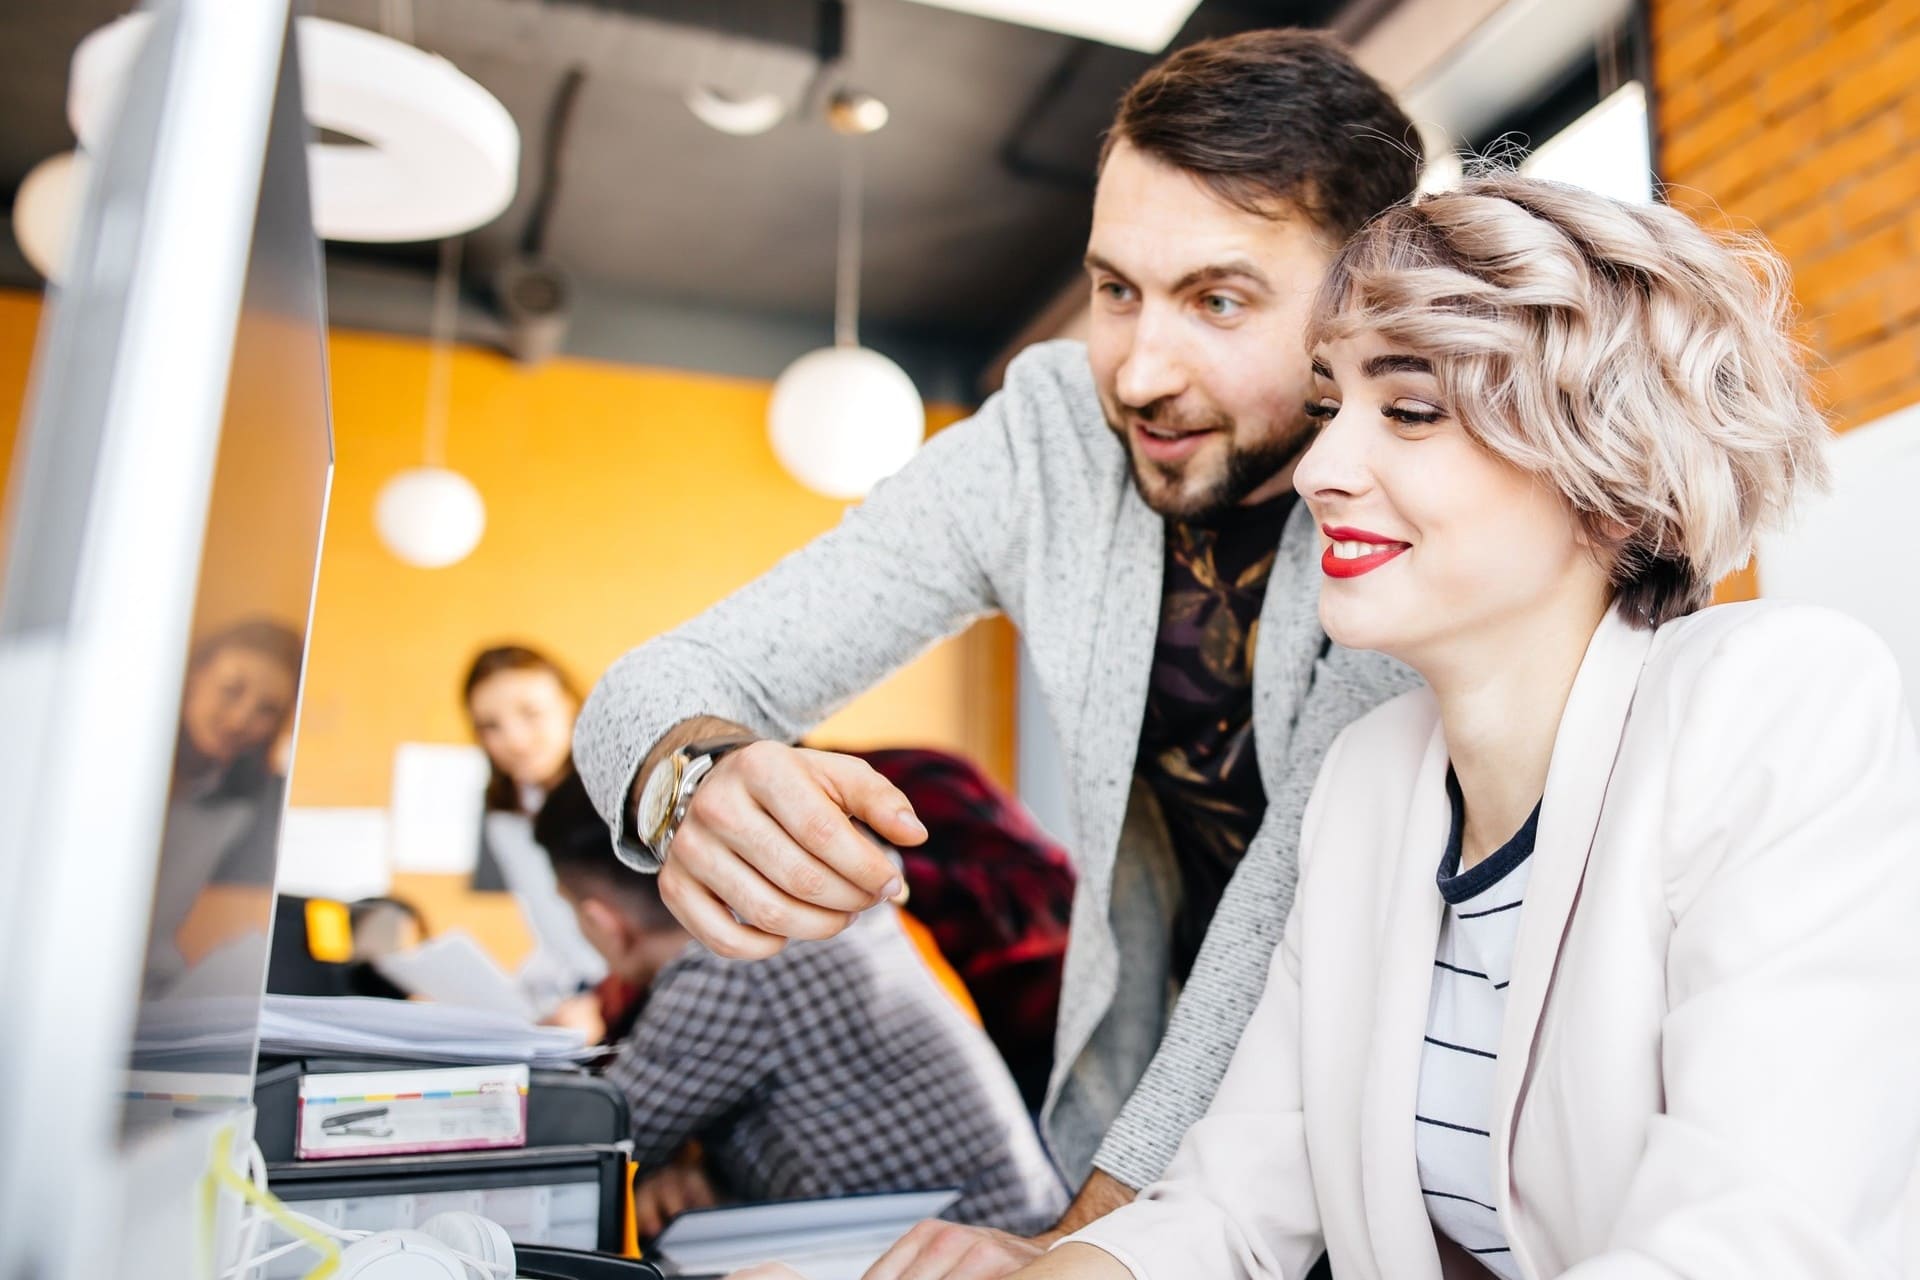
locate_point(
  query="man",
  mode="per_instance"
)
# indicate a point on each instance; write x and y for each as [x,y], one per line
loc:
[770,1066]
[1128,505]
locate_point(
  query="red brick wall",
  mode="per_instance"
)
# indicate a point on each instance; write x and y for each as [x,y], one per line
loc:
[1801,118]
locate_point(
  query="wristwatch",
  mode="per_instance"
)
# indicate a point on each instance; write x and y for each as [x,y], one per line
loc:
[669,789]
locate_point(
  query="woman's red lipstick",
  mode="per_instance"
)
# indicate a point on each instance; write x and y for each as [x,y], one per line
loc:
[1335,567]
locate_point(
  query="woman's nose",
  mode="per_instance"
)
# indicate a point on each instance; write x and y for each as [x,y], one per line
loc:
[1334,464]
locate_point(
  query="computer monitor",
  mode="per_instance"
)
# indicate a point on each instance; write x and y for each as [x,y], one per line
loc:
[165,514]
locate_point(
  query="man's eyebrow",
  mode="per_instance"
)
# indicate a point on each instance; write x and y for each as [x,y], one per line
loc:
[1396,362]
[1214,272]
[1094,262]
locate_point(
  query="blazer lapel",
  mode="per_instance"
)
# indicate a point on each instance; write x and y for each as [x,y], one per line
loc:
[1401,1233]
[1584,750]
[1102,748]
[1120,664]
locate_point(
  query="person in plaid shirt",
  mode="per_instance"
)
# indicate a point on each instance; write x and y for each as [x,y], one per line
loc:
[838,1066]
[996,892]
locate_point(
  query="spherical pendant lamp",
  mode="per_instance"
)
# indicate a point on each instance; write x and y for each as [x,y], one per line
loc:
[430,517]
[845,417]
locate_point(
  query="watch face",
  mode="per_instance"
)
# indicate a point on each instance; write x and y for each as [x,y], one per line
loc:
[656,798]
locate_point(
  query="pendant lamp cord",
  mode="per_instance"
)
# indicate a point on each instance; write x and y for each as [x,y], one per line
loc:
[396,19]
[446,307]
[846,302]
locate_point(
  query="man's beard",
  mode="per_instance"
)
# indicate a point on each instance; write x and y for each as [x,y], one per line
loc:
[1248,467]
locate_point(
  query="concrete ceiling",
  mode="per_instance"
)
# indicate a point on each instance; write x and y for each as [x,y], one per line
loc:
[977,192]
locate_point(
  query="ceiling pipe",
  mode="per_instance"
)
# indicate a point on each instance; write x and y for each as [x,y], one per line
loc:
[533,294]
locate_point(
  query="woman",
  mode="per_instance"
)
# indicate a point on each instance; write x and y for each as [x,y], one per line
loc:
[1660,1014]
[223,809]
[522,707]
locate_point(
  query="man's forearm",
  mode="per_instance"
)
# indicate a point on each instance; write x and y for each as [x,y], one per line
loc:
[697,729]
[1100,1196]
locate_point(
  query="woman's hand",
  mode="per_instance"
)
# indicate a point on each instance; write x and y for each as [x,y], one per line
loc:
[666,1192]
[582,1013]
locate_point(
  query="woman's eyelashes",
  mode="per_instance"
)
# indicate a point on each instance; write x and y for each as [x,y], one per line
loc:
[1414,413]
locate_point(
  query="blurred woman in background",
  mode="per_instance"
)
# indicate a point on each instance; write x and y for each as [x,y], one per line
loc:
[522,705]
[229,786]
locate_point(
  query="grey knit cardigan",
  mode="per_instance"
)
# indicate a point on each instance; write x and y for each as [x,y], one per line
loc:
[1027,509]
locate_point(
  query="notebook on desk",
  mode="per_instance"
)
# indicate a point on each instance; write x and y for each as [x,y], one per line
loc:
[828,1239]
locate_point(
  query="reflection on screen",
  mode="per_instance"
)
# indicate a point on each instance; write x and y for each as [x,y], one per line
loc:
[206,954]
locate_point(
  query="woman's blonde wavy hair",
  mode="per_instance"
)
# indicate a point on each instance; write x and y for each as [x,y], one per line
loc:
[1641,365]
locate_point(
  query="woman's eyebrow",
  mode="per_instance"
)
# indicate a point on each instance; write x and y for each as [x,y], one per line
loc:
[1396,362]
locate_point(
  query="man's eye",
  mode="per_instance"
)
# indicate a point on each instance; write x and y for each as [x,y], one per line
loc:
[1113,291]
[1322,409]
[1219,305]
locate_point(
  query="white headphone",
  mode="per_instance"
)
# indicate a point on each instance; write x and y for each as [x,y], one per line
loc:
[447,1246]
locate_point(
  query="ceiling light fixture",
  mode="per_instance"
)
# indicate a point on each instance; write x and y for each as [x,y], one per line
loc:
[852,113]
[45,209]
[1146,25]
[845,417]
[741,117]
[435,154]
[430,516]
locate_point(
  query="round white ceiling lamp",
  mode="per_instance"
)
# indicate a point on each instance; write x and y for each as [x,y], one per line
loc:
[429,516]
[741,117]
[45,209]
[845,417]
[441,156]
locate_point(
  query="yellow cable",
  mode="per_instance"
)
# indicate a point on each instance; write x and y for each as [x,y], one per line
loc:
[268,1203]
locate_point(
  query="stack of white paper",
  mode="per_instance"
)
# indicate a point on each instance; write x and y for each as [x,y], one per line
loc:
[835,1239]
[352,1025]
[452,969]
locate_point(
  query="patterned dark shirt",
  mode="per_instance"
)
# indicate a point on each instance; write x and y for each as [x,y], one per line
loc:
[833,1068]
[1196,747]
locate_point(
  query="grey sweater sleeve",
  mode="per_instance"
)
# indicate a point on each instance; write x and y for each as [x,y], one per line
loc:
[1230,971]
[912,564]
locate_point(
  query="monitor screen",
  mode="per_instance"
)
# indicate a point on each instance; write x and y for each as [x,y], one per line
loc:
[206,951]
[164,513]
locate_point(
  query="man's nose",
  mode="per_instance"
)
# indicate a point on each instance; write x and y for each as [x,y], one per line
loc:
[1154,369]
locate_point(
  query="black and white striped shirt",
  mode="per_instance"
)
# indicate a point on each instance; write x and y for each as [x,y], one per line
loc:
[1471,970]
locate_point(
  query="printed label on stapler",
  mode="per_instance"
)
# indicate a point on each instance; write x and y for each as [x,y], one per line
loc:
[368,1113]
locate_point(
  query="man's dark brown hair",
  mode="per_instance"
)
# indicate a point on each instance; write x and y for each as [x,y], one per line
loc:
[1275,119]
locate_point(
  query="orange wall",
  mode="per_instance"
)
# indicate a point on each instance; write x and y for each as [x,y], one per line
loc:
[1800,118]
[620,501]
[19,318]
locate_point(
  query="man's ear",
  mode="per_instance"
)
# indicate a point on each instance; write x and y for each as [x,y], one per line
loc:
[603,925]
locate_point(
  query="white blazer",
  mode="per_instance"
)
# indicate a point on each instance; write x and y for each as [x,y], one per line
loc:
[1710,1065]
